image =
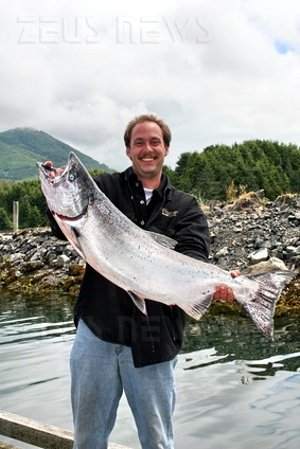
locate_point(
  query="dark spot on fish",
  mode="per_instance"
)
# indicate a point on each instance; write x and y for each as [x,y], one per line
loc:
[76,233]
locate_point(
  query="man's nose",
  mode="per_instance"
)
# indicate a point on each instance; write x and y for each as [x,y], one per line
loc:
[148,145]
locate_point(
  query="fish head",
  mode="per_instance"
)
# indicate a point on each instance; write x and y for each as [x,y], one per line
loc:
[69,192]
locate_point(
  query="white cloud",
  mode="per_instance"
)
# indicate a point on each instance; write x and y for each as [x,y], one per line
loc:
[211,69]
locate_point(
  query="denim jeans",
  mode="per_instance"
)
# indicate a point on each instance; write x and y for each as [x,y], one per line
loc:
[100,371]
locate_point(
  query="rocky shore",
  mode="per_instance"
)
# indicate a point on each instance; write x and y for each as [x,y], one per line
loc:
[250,234]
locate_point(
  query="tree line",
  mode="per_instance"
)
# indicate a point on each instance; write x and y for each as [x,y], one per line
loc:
[32,204]
[249,166]
[209,175]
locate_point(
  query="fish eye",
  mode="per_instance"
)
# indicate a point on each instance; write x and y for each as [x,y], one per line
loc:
[71,177]
[91,200]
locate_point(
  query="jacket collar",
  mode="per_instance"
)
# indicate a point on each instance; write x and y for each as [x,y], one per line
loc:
[164,189]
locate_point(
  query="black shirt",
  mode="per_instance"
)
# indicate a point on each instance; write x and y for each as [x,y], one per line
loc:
[108,310]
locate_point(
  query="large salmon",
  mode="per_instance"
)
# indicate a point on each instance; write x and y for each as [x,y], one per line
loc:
[142,263]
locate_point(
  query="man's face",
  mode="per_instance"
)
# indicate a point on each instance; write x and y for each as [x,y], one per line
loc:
[147,150]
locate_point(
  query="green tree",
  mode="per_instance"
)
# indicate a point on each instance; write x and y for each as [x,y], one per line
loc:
[5,222]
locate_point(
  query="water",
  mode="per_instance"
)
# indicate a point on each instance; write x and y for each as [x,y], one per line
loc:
[235,389]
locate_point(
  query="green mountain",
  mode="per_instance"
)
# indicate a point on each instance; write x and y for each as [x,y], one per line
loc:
[20,148]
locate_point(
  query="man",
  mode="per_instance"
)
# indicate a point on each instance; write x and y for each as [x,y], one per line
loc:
[116,347]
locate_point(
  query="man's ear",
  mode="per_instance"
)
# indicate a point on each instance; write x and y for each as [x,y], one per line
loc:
[166,151]
[128,152]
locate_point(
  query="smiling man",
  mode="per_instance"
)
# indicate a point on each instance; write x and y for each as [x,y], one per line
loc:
[147,145]
[117,348]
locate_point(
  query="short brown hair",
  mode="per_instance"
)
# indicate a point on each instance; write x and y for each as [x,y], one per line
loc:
[166,132]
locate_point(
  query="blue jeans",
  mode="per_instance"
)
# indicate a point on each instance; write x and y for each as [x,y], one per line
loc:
[100,371]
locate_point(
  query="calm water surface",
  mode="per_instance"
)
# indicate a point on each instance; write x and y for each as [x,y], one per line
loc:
[235,389]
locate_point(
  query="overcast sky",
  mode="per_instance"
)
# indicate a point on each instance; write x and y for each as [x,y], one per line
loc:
[217,71]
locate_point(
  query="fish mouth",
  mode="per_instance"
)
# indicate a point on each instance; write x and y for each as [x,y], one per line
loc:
[46,171]
[51,178]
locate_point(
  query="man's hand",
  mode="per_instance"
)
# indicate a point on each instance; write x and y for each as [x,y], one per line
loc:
[53,172]
[224,293]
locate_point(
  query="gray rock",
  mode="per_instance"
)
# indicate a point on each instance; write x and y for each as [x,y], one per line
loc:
[242,236]
[259,256]
[222,252]
[62,260]
[270,265]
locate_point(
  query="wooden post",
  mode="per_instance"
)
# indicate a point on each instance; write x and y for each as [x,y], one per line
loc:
[15,215]
[37,433]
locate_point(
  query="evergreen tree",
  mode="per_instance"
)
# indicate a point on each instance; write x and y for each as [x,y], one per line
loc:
[5,222]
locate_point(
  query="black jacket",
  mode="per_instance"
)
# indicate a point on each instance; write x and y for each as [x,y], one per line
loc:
[108,310]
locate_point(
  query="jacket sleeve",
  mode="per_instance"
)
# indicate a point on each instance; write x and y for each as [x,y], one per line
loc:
[191,232]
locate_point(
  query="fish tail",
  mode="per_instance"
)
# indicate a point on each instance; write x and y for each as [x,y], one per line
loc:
[261,304]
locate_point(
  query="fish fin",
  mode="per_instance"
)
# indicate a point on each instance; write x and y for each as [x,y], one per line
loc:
[71,234]
[138,302]
[261,305]
[197,308]
[163,240]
